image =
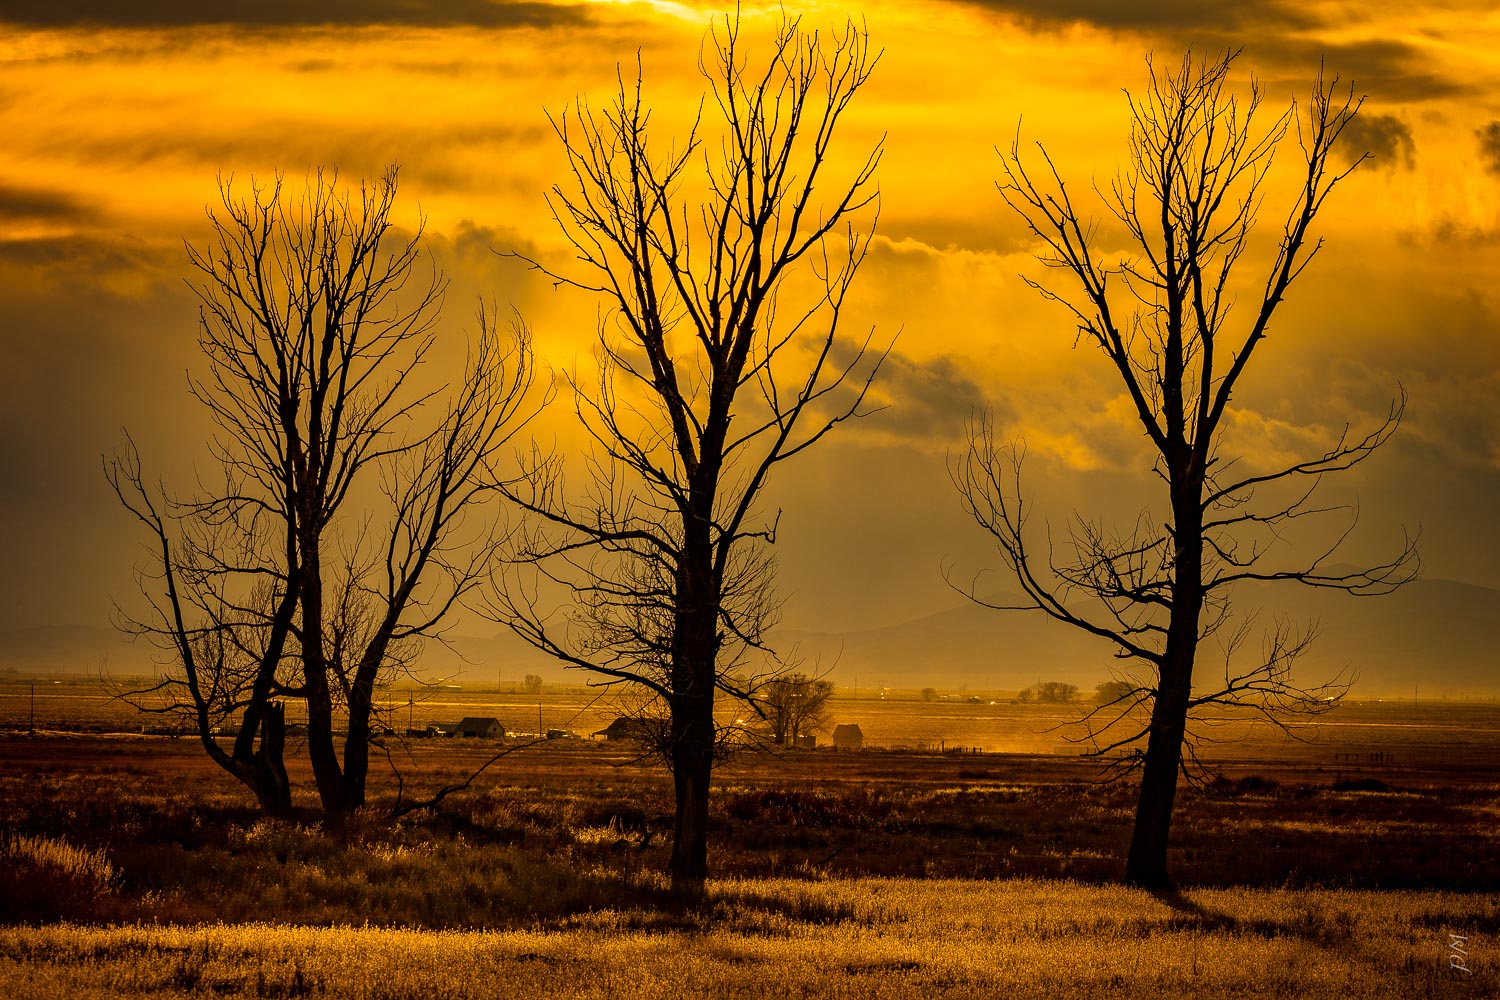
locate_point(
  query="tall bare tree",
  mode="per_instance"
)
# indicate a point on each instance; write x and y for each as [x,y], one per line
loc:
[704,386]
[315,320]
[1161,315]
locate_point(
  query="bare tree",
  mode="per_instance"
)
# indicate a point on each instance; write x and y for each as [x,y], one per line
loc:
[314,323]
[704,385]
[795,705]
[224,613]
[1187,200]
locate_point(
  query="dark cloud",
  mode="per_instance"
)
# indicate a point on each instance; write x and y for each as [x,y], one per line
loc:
[1164,16]
[108,262]
[1278,38]
[290,13]
[18,204]
[1489,146]
[926,401]
[437,158]
[1384,69]
[1386,138]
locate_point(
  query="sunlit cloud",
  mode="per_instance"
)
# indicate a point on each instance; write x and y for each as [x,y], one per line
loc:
[120,120]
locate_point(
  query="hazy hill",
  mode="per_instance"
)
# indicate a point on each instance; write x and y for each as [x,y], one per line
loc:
[73,649]
[84,649]
[1436,634]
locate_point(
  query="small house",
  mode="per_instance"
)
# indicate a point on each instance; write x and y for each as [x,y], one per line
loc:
[475,727]
[807,742]
[848,737]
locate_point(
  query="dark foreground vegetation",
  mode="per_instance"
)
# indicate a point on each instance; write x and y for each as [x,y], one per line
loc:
[124,829]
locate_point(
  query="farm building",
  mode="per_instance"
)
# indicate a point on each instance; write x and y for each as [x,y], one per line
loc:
[627,728]
[848,737]
[481,728]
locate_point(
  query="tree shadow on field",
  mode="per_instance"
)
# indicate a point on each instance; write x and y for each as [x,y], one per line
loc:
[1323,925]
[1190,914]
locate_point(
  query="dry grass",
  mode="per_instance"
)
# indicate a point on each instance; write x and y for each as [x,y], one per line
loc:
[554,831]
[129,866]
[838,938]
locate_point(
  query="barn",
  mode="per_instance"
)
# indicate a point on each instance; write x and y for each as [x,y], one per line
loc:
[484,728]
[624,728]
[848,737]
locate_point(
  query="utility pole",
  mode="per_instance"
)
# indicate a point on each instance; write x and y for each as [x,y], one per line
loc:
[31,727]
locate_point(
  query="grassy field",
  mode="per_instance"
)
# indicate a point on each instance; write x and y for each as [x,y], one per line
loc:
[128,866]
[1411,735]
[838,938]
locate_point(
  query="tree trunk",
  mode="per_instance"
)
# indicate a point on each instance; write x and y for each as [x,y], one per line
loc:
[270,783]
[692,770]
[1146,865]
[327,773]
[356,756]
[695,648]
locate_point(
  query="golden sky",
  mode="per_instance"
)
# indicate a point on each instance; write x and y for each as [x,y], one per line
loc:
[114,127]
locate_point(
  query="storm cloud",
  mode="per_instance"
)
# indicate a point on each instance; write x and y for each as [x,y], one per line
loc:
[1489,146]
[289,13]
[1386,138]
[1289,41]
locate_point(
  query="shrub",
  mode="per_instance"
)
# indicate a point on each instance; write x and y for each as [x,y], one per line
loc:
[45,879]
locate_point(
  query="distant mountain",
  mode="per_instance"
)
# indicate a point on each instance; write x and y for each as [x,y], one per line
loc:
[964,645]
[73,649]
[85,649]
[1438,635]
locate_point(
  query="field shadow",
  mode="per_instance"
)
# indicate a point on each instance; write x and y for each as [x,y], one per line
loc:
[1323,927]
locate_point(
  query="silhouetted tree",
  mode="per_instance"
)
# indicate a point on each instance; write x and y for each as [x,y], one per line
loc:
[225,613]
[795,705]
[711,372]
[313,324]
[1056,692]
[1187,202]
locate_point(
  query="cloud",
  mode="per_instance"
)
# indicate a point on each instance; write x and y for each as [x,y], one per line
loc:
[1489,146]
[927,402]
[991,230]
[29,204]
[1291,40]
[1386,138]
[1383,68]
[1167,16]
[440,157]
[291,13]
[109,264]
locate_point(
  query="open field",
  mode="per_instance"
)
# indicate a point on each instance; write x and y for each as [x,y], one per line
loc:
[1426,734]
[1336,868]
[780,938]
